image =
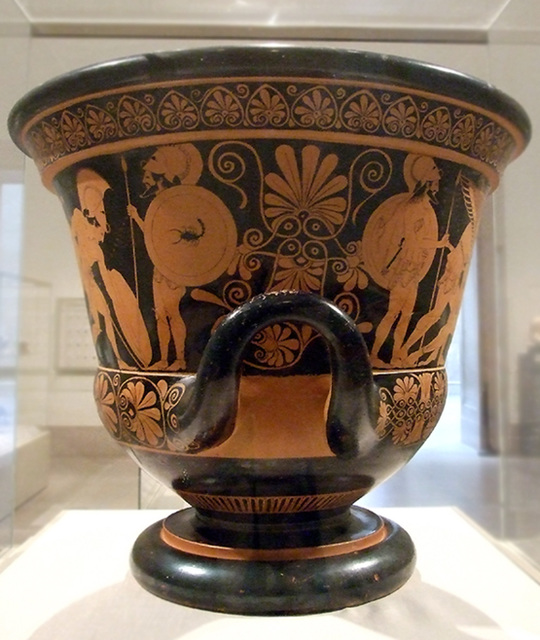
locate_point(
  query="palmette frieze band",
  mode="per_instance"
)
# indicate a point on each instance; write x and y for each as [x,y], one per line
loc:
[140,409]
[271,106]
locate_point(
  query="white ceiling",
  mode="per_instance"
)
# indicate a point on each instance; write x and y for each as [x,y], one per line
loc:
[371,19]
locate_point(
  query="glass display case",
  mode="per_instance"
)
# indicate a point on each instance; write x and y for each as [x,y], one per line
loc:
[8,354]
[516,37]
[14,40]
[487,448]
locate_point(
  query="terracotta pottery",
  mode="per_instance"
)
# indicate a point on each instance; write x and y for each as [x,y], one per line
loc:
[273,243]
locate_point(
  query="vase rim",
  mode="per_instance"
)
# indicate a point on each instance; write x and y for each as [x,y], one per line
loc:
[265,60]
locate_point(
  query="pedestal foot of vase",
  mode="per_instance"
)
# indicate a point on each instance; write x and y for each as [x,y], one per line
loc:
[299,566]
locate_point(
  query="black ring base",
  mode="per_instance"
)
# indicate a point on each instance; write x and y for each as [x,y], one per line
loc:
[252,587]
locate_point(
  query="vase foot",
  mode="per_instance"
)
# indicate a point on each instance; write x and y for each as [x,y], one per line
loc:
[370,558]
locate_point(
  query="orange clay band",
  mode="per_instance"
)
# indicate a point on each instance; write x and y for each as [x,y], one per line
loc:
[270,555]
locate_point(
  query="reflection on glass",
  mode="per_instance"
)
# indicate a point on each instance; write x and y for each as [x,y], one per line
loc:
[10,238]
[514,44]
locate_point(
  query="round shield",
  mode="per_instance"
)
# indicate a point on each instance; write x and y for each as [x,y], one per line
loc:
[400,241]
[190,235]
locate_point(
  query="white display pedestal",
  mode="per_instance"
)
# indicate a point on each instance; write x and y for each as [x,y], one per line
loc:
[72,582]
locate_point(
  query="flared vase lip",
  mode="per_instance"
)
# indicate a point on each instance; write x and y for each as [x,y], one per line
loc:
[265,60]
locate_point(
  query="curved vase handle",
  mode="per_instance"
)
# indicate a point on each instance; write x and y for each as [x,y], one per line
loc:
[208,408]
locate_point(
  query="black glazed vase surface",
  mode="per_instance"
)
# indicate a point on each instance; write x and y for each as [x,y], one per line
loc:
[273,243]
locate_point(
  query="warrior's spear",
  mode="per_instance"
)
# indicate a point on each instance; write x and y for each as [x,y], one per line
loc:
[128,196]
